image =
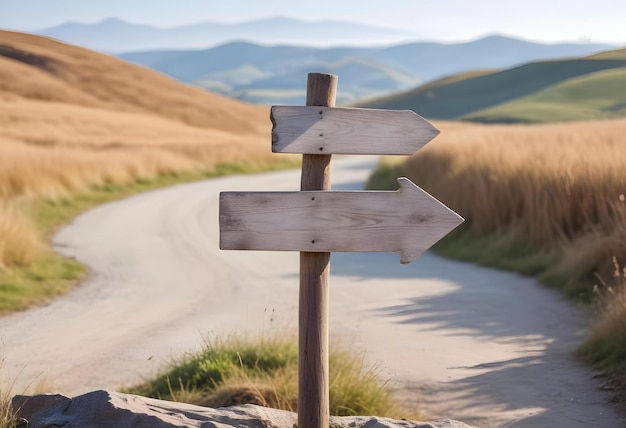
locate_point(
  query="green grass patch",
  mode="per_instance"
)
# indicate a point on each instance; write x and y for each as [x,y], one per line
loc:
[264,371]
[460,96]
[606,351]
[598,95]
[507,251]
[498,250]
[49,215]
[51,275]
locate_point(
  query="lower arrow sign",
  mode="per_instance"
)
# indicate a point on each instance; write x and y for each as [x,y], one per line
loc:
[408,221]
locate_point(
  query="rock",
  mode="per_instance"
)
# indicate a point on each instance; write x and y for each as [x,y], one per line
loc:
[105,409]
[25,406]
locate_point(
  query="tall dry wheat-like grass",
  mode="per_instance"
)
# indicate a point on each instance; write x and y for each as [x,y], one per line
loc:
[19,244]
[558,186]
[612,295]
[606,344]
[51,150]
[71,118]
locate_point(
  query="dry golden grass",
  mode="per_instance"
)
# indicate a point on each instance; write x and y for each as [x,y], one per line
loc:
[560,187]
[71,119]
[70,148]
[264,371]
[606,345]
[612,298]
[555,191]
[19,244]
[43,69]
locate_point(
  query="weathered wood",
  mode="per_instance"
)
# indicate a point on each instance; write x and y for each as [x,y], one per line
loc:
[322,130]
[313,385]
[408,221]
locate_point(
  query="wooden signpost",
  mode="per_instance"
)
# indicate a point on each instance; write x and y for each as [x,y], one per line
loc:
[408,221]
[323,130]
[317,222]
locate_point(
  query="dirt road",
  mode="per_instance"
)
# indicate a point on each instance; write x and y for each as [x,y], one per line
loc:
[487,347]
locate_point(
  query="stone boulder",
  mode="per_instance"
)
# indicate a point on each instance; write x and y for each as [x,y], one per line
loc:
[106,409]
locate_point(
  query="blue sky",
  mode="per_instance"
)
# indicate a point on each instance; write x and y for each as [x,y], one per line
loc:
[453,20]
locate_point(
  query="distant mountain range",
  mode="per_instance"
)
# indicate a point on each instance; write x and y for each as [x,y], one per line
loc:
[277,74]
[115,35]
[585,88]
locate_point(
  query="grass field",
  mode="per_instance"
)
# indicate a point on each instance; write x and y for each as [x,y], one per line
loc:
[264,371]
[597,95]
[543,200]
[547,91]
[78,128]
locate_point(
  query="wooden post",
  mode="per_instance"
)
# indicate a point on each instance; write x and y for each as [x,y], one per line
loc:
[313,402]
[303,217]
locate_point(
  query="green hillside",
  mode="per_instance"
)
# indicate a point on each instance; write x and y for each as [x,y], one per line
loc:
[276,74]
[360,78]
[598,95]
[571,89]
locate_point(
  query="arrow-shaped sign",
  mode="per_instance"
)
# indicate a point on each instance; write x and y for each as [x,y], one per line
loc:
[354,131]
[408,221]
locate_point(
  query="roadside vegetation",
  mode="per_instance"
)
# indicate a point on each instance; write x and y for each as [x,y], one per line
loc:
[7,417]
[264,371]
[31,272]
[47,178]
[606,345]
[544,200]
[80,128]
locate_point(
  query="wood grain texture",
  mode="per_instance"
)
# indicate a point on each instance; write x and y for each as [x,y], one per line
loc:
[313,377]
[321,89]
[325,130]
[313,384]
[408,221]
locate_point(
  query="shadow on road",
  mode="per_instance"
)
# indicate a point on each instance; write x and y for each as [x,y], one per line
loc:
[542,380]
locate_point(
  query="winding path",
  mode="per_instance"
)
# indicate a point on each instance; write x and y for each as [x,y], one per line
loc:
[487,347]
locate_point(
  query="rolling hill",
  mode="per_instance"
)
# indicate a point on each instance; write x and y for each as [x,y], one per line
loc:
[41,69]
[571,89]
[79,128]
[360,78]
[597,95]
[73,118]
[276,74]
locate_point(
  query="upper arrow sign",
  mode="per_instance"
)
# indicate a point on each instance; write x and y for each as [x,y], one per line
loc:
[408,221]
[352,131]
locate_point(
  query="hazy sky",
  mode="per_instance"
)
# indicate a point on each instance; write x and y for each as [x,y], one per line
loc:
[543,20]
